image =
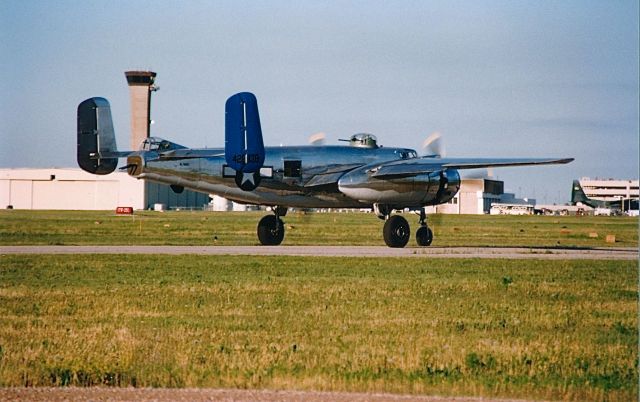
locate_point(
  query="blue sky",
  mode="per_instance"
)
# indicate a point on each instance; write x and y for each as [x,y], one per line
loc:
[496,78]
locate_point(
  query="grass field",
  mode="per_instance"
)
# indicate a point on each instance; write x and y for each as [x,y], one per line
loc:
[520,328]
[227,228]
[509,328]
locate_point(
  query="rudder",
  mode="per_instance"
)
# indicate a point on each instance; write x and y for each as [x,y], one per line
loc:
[96,137]
[244,148]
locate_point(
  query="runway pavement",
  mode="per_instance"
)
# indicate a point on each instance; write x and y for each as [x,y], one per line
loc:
[60,394]
[343,251]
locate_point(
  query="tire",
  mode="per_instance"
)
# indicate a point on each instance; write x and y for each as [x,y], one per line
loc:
[270,231]
[424,236]
[396,232]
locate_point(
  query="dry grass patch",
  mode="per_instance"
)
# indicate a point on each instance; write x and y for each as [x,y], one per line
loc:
[545,329]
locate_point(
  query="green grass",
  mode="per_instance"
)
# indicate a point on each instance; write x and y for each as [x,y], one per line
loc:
[231,228]
[521,328]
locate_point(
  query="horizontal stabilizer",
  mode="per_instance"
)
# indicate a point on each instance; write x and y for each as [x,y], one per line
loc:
[187,153]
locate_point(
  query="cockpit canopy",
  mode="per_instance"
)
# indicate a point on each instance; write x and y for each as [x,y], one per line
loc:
[156,144]
[363,140]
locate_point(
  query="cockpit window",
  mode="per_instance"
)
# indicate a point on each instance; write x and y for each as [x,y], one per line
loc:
[164,145]
[155,144]
[407,154]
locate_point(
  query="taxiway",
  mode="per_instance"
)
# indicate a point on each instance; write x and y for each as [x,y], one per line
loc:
[343,251]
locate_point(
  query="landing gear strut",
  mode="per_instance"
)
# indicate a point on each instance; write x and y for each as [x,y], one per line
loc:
[271,228]
[396,231]
[424,235]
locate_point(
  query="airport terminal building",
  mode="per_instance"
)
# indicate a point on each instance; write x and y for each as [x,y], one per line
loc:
[610,189]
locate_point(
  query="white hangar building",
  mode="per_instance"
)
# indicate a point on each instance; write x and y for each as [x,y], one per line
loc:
[476,197]
[68,189]
[75,189]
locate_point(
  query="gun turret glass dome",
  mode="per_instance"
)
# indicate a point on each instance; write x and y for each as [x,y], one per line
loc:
[363,140]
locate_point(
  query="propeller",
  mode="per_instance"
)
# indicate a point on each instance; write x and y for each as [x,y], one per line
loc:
[433,146]
[317,139]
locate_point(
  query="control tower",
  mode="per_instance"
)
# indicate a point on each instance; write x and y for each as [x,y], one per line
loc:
[141,84]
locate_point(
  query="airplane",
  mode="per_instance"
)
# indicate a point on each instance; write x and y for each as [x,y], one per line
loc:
[361,174]
[578,196]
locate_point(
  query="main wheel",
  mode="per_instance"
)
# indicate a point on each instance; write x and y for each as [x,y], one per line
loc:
[396,232]
[424,236]
[270,231]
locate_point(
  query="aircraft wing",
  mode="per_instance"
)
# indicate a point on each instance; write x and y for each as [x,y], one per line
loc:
[413,167]
[327,175]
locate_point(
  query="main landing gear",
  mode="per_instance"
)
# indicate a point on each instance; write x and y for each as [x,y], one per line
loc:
[271,228]
[396,230]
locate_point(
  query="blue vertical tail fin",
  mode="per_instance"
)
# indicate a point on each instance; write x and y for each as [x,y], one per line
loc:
[244,148]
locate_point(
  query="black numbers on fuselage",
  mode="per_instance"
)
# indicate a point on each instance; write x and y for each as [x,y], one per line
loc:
[250,158]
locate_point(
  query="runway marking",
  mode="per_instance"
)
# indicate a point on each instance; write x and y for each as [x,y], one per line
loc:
[344,251]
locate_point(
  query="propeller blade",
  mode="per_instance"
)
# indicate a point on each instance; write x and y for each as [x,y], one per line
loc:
[318,139]
[433,145]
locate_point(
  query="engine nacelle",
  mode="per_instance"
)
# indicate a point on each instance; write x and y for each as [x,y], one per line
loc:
[401,192]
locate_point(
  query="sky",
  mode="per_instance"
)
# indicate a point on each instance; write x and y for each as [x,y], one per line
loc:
[495,78]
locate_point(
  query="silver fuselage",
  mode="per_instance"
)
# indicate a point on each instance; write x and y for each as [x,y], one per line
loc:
[300,176]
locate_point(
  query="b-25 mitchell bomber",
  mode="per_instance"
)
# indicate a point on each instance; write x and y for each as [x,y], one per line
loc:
[361,174]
